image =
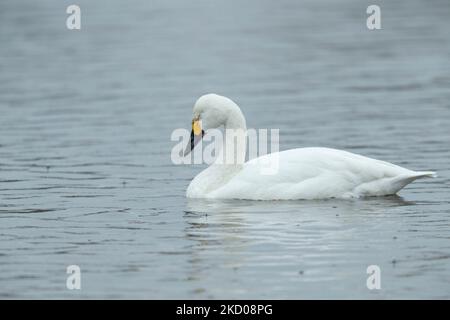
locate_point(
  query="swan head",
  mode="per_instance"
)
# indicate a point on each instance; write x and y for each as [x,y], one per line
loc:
[213,111]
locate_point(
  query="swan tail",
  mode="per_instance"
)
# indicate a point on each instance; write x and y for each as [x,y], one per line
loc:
[390,186]
[401,181]
[424,174]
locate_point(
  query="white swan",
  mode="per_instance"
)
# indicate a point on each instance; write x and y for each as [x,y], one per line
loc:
[305,173]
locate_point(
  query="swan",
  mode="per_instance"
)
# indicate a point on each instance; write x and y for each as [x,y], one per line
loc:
[303,173]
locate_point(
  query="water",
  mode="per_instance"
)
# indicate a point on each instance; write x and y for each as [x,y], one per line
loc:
[85,170]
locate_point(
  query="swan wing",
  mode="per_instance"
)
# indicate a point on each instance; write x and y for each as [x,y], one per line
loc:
[315,173]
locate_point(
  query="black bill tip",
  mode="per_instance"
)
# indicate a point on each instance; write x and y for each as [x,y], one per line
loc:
[195,139]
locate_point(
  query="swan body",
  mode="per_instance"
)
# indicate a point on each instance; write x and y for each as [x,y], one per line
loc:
[304,173]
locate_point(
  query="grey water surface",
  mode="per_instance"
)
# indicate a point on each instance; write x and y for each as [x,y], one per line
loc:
[86,176]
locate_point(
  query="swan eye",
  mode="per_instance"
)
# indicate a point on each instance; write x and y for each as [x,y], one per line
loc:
[197,127]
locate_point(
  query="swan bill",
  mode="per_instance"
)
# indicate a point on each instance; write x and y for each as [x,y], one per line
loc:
[196,135]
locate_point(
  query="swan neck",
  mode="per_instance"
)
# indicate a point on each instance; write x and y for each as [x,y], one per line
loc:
[235,140]
[235,120]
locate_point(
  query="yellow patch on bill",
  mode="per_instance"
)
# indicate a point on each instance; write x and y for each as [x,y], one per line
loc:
[197,127]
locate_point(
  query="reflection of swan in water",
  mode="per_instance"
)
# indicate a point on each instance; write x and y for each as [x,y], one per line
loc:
[229,237]
[304,173]
[225,207]
[217,243]
[232,223]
